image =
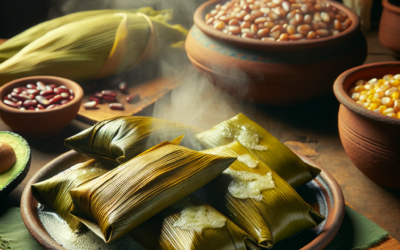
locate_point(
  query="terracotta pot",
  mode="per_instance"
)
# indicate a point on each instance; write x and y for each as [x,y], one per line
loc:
[273,72]
[42,123]
[371,140]
[323,194]
[389,27]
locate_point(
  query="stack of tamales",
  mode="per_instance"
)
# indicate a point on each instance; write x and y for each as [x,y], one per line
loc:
[247,204]
[89,44]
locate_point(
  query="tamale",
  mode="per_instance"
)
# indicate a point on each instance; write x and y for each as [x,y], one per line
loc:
[138,189]
[94,47]
[191,224]
[124,137]
[261,144]
[269,214]
[54,192]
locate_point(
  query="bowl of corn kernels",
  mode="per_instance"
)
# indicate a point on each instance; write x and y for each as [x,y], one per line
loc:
[369,120]
[275,51]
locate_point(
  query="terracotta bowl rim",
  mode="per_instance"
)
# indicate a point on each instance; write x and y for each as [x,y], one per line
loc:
[332,225]
[266,45]
[78,93]
[391,7]
[345,99]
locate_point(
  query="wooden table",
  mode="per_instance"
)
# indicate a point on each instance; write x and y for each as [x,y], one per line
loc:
[314,124]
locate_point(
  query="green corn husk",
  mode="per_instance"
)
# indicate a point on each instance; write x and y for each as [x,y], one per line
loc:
[13,45]
[132,193]
[54,192]
[124,137]
[280,213]
[79,50]
[278,157]
[160,233]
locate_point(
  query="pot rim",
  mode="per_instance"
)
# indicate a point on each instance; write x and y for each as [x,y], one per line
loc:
[76,88]
[345,99]
[388,6]
[273,45]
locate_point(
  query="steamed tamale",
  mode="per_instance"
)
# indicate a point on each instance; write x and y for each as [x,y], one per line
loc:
[258,200]
[138,189]
[191,224]
[122,138]
[261,144]
[54,192]
[94,47]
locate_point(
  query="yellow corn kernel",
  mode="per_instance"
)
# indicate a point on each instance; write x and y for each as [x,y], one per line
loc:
[373,106]
[366,104]
[367,87]
[388,111]
[395,95]
[371,92]
[387,77]
[380,82]
[377,101]
[360,82]
[393,115]
[370,98]
[395,83]
[363,97]
[396,105]
[381,108]
[359,88]
[379,93]
[364,92]
[387,101]
[398,115]
[355,96]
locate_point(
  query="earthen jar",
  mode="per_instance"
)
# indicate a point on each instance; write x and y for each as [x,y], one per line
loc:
[371,140]
[389,27]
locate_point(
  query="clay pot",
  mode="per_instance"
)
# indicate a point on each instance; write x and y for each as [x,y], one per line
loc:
[389,27]
[371,140]
[42,123]
[273,72]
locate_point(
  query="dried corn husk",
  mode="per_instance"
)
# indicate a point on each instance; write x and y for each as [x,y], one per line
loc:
[261,144]
[124,137]
[54,192]
[130,194]
[94,47]
[279,214]
[161,233]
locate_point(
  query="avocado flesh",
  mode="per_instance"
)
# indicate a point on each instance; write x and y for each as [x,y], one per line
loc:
[17,171]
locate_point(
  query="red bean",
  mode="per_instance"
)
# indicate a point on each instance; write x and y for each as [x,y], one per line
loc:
[123,86]
[48,87]
[90,105]
[18,90]
[31,86]
[52,106]
[31,108]
[40,106]
[116,106]
[95,99]
[133,98]
[108,93]
[22,97]
[60,90]
[107,98]
[98,95]
[46,92]
[64,102]
[29,103]
[48,97]
[12,104]
[11,98]
[65,95]
[55,99]
[42,100]
[33,91]
[40,86]
[53,86]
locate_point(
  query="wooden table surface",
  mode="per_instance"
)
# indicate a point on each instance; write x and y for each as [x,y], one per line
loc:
[314,124]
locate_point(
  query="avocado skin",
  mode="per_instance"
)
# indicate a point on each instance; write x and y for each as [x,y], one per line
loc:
[21,176]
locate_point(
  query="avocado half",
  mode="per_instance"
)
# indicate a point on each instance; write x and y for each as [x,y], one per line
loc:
[11,178]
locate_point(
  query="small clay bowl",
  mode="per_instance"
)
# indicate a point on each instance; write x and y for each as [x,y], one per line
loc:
[42,123]
[389,28]
[270,72]
[371,140]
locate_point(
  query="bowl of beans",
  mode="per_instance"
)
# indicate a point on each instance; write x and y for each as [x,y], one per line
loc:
[275,51]
[369,120]
[39,106]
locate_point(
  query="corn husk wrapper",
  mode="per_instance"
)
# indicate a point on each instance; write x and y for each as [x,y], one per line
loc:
[132,193]
[94,47]
[159,232]
[54,192]
[124,137]
[280,213]
[13,45]
[278,157]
